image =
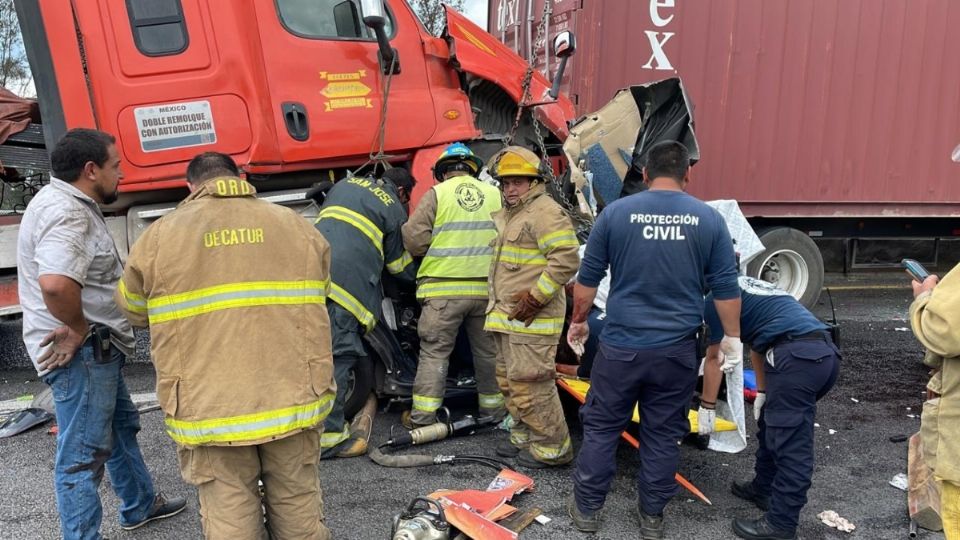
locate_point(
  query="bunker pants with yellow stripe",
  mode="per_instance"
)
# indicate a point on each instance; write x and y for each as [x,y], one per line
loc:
[439,324]
[526,372]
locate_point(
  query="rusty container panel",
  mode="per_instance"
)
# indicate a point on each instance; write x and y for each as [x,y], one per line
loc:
[803,108]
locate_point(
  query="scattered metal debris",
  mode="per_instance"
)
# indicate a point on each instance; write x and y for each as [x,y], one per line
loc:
[900,481]
[17,422]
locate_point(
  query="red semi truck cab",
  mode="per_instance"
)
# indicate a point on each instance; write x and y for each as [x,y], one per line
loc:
[297,92]
[293,90]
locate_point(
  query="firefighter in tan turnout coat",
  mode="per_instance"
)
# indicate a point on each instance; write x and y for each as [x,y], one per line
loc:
[233,289]
[535,254]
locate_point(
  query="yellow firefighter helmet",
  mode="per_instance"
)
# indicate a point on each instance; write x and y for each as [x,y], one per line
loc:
[516,161]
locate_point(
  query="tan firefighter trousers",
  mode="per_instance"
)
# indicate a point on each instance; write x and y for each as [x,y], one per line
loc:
[526,372]
[226,479]
[439,324]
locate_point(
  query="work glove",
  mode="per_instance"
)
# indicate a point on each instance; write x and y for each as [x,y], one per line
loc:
[758,404]
[706,418]
[526,309]
[732,350]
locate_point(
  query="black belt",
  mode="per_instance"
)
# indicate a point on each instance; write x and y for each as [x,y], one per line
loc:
[819,335]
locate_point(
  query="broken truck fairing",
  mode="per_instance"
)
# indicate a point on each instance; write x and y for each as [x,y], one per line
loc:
[606,150]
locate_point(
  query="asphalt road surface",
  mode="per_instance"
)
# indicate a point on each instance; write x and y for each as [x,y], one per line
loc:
[879,391]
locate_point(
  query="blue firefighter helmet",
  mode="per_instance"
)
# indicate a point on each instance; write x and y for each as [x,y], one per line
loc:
[457,157]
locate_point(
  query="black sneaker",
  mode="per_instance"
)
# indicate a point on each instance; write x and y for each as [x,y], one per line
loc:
[651,527]
[759,529]
[162,508]
[507,449]
[746,491]
[588,523]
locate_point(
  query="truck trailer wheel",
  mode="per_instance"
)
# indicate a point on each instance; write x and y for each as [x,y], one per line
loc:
[360,382]
[792,262]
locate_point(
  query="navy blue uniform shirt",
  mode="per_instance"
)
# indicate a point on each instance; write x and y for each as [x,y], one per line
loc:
[361,220]
[766,314]
[665,250]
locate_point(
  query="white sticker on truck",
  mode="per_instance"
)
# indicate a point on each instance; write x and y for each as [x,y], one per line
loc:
[175,125]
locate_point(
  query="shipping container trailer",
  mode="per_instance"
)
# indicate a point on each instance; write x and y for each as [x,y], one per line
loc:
[824,119]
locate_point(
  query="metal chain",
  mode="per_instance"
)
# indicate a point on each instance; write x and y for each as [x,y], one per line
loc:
[380,158]
[527,78]
[583,222]
[528,75]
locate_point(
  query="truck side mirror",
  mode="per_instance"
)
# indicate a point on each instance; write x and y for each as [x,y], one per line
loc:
[374,16]
[564,46]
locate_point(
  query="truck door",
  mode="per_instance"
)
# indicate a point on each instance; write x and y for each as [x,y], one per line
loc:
[326,84]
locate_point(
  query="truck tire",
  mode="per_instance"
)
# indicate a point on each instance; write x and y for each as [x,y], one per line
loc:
[791,261]
[360,382]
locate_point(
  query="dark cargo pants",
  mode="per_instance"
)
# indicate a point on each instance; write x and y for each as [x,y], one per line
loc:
[347,337]
[662,381]
[801,374]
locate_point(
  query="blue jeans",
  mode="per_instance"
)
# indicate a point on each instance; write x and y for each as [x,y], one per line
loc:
[98,425]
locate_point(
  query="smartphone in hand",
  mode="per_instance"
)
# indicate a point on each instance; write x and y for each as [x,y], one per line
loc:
[915,269]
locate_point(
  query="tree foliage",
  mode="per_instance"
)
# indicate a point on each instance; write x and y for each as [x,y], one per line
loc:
[14,70]
[431,13]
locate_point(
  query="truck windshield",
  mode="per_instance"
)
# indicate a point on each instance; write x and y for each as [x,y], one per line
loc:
[327,19]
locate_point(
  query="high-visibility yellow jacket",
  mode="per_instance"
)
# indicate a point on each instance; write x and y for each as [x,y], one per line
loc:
[535,250]
[452,229]
[233,289]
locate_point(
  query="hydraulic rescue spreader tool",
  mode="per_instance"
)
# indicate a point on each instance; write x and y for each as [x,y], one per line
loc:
[444,428]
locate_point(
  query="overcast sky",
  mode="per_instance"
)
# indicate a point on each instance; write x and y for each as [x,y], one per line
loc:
[477,11]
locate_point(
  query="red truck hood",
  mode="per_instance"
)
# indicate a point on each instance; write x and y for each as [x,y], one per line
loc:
[476,52]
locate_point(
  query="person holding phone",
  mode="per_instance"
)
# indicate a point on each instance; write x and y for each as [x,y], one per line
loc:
[935,319]
[68,269]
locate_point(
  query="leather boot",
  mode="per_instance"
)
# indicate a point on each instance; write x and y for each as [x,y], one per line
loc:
[651,527]
[759,529]
[746,491]
[584,522]
[507,449]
